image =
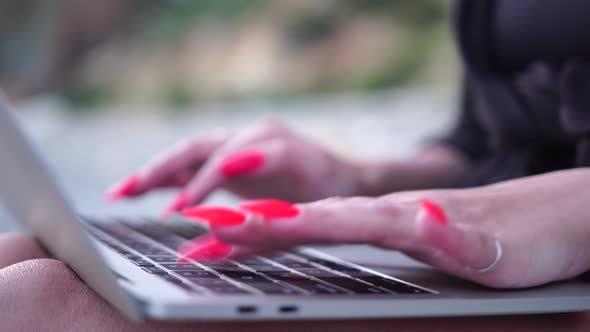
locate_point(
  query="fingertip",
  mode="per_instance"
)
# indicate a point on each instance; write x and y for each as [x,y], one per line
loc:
[179,203]
[241,163]
[216,216]
[434,211]
[271,208]
[204,248]
[430,227]
[124,188]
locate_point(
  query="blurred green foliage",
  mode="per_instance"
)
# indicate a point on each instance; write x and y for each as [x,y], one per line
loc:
[417,25]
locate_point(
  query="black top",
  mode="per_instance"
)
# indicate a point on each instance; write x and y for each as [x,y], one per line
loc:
[526,31]
[526,95]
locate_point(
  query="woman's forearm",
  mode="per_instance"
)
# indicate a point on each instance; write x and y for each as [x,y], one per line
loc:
[433,167]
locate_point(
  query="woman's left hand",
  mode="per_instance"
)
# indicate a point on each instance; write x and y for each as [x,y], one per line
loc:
[518,233]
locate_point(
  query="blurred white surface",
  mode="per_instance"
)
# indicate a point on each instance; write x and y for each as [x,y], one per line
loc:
[89,151]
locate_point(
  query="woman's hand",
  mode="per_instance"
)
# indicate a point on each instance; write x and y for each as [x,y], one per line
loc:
[266,160]
[513,234]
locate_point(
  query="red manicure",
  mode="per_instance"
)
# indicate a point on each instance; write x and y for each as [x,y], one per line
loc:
[204,248]
[242,163]
[215,215]
[271,208]
[434,210]
[124,188]
[177,205]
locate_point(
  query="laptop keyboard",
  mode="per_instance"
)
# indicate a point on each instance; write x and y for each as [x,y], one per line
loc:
[151,245]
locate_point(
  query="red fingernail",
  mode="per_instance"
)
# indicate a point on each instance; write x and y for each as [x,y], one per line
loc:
[204,248]
[177,205]
[434,210]
[271,208]
[242,163]
[123,188]
[215,215]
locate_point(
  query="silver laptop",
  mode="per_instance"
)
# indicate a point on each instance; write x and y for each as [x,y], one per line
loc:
[131,262]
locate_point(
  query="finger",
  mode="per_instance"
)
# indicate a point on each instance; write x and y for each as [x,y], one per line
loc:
[163,170]
[471,248]
[207,248]
[257,160]
[209,178]
[277,224]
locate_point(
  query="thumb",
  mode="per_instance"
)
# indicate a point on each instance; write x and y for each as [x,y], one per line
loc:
[471,248]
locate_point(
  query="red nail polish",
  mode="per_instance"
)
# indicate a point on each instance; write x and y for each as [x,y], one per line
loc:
[204,248]
[242,163]
[177,205]
[271,208]
[434,210]
[215,215]
[124,188]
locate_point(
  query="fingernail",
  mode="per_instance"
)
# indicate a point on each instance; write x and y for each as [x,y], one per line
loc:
[177,204]
[123,188]
[215,215]
[434,210]
[242,163]
[271,208]
[204,248]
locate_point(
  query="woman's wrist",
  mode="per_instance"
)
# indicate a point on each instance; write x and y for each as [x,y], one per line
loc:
[433,167]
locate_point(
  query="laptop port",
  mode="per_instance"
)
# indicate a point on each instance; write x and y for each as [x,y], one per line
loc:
[288,309]
[247,309]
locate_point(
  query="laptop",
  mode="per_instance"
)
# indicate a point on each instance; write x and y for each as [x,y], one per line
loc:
[132,263]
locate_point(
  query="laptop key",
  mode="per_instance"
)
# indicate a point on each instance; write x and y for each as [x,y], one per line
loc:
[393,285]
[330,264]
[251,261]
[153,252]
[261,283]
[227,290]
[293,264]
[305,283]
[196,274]
[317,272]
[218,263]
[227,269]
[158,233]
[142,262]
[163,259]
[181,267]
[206,282]
[353,285]
[183,228]
[154,270]
[129,255]
[244,276]
[265,268]
[315,287]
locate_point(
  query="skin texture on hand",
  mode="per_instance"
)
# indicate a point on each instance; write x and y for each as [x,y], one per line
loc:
[541,223]
[41,294]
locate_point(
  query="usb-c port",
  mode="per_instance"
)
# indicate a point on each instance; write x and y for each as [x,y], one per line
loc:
[288,309]
[246,309]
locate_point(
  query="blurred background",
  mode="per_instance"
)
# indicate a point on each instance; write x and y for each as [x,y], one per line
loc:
[103,85]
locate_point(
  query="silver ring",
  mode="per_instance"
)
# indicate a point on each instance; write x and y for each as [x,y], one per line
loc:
[494,263]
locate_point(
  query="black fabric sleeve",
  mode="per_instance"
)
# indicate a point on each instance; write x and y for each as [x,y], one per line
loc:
[468,136]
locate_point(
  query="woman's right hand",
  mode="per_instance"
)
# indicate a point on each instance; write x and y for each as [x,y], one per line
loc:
[265,160]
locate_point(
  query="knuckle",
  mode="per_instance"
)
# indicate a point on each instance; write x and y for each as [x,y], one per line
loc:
[271,125]
[387,207]
[331,200]
[281,146]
